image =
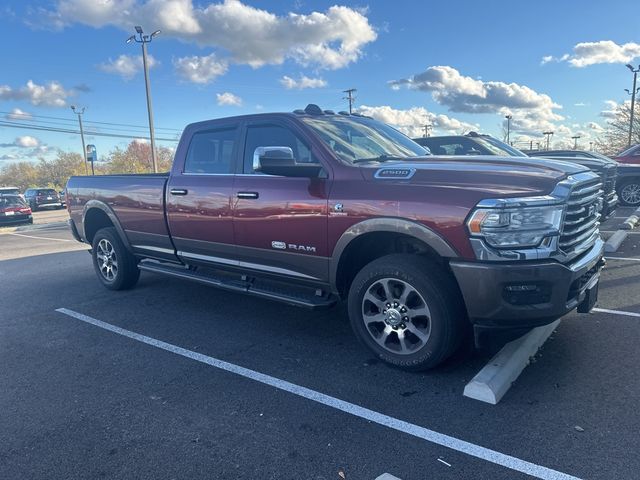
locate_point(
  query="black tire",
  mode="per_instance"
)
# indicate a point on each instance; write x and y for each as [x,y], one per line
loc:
[433,286]
[115,267]
[623,192]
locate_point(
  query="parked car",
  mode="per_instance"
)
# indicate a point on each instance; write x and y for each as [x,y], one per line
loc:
[14,210]
[630,155]
[628,185]
[477,144]
[313,207]
[11,191]
[604,167]
[38,198]
[472,143]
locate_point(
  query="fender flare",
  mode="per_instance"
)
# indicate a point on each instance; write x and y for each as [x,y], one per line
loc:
[387,224]
[91,204]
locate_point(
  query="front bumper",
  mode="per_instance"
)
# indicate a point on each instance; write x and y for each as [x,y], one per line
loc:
[526,294]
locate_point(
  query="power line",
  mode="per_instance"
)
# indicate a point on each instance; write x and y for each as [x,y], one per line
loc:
[72,121]
[76,132]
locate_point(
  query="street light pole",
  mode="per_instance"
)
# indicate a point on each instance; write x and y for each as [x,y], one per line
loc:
[144,39]
[79,113]
[575,141]
[508,117]
[633,99]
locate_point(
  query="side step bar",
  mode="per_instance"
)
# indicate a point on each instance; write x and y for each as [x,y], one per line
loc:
[306,297]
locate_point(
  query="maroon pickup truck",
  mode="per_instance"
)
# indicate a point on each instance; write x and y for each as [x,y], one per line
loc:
[313,207]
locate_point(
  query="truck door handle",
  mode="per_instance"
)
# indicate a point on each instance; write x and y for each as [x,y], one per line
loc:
[178,191]
[252,195]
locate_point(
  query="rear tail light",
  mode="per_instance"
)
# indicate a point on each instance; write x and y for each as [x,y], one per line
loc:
[25,210]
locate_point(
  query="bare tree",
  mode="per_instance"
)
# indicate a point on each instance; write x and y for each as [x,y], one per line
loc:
[616,136]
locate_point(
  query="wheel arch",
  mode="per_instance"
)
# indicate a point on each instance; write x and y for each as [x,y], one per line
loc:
[384,234]
[96,215]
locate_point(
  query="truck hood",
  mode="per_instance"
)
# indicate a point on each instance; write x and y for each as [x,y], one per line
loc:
[504,176]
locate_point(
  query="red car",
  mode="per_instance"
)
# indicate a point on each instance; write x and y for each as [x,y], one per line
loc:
[14,210]
[630,155]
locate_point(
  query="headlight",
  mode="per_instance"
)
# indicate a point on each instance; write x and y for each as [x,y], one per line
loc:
[521,226]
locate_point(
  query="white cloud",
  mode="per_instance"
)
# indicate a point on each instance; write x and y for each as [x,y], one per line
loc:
[532,111]
[581,104]
[331,39]
[51,95]
[228,98]
[592,53]
[303,82]
[27,141]
[18,114]
[411,121]
[8,156]
[611,109]
[127,66]
[201,69]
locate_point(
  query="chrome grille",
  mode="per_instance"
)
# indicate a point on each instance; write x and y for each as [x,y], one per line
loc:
[609,182]
[581,221]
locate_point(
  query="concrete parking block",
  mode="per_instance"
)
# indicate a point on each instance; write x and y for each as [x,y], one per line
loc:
[615,240]
[495,379]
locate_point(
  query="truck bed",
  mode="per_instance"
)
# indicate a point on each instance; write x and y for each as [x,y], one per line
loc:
[138,202]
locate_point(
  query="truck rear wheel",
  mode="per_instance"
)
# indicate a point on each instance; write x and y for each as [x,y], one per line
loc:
[116,268]
[407,310]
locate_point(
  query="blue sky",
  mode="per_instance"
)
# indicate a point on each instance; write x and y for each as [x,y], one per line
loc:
[458,65]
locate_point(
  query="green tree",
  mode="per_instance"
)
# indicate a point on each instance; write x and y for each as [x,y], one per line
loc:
[136,158]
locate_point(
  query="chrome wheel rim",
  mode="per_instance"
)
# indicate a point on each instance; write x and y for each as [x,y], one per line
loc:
[396,316]
[631,193]
[107,260]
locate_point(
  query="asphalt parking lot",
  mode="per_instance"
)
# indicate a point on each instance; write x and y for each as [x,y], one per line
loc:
[82,401]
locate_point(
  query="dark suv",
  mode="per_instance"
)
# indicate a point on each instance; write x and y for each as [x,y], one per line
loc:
[477,144]
[42,198]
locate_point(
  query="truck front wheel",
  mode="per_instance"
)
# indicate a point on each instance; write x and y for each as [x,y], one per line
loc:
[407,310]
[115,266]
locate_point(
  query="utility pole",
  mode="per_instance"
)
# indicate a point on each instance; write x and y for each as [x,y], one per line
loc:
[548,134]
[508,117]
[79,112]
[575,141]
[633,99]
[427,128]
[144,39]
[351,97]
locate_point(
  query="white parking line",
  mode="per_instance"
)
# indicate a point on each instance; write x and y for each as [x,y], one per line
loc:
[40,238]
[623,258]
[617,312]
[453,443]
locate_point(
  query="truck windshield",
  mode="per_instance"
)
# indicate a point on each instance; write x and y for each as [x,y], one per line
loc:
[499,148]
[359,139]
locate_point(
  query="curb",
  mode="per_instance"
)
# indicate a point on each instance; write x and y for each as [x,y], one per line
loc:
[494,380]
[631,222]
[28,228]
[615,240]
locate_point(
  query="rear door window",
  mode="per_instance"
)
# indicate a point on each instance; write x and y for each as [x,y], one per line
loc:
[211,152]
